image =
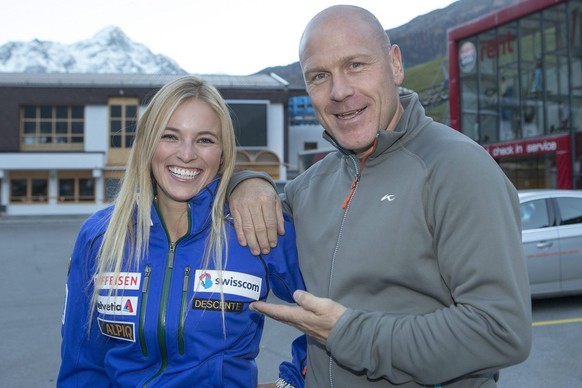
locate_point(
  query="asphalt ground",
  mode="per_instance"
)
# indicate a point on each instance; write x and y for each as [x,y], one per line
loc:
[34,253]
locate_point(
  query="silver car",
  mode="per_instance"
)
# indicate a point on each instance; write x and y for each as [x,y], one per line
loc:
[552,240]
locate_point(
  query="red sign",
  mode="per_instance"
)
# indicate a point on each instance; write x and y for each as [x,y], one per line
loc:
[558,145]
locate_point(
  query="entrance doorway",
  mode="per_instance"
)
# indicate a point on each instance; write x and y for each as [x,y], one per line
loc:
[531,173]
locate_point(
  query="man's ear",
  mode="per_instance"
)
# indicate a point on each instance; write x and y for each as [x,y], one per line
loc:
[396,64]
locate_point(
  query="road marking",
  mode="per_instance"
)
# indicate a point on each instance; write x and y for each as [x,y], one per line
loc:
[557,322]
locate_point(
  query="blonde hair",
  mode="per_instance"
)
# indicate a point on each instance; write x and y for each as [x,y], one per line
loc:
[128,231]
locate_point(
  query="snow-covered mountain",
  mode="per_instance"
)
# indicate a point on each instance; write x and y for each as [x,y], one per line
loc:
[110,51]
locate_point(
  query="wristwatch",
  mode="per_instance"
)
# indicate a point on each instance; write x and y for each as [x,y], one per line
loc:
[280,383]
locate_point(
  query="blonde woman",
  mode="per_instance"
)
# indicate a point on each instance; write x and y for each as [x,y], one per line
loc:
[159,289]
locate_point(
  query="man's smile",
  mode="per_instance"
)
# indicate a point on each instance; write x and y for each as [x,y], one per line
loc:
[349,115]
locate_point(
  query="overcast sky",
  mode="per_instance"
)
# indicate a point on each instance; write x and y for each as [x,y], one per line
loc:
[235,37]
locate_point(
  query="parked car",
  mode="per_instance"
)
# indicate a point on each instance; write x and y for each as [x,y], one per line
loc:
[552,240]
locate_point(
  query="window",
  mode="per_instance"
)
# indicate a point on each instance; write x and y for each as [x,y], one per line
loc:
[112,180]
[250,123]
[522,79]
[111,188]
[468,62]
[29,187]
[123,115]
[534,214]
[76,186]
[555,68]
[52,127]
[570,210]
[508,90]
[309,145]
[491,46]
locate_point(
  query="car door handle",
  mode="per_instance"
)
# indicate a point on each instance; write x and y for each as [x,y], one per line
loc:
[544,244]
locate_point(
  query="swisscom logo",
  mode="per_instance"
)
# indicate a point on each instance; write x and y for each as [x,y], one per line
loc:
[230,282]
[205,280]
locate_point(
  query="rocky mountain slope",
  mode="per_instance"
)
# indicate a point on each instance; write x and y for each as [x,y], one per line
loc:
[109,51]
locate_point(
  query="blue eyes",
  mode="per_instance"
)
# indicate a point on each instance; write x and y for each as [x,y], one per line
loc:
[203,140]
[323,76]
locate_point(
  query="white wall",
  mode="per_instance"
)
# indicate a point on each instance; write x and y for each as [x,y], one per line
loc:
[298,135]
[276,134]
[51,160]
[52,210]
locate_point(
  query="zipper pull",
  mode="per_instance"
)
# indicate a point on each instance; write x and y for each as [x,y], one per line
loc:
[186,278]
[354,184]
[359,173]
[171,255]
[146,279]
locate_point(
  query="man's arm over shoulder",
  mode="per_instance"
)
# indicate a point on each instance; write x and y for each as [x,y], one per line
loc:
[256,210]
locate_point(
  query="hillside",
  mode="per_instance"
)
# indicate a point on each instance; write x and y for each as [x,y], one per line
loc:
[421,40]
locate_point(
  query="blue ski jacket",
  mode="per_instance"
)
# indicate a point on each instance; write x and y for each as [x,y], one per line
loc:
[165,326]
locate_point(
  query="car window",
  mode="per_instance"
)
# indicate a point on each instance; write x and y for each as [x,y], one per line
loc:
[534,214]
[570,210]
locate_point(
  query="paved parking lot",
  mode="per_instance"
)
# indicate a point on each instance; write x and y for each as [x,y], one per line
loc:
[34,253]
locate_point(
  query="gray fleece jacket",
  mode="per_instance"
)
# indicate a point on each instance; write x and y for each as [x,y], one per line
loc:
[426,256]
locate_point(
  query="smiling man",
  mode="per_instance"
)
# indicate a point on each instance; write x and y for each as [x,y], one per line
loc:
[409,236]
[353,86]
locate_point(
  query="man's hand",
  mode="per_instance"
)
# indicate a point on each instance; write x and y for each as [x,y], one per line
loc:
[314,316]
[258,218]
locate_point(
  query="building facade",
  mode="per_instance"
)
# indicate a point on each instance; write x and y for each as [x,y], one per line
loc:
[65,138]
[515,86]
